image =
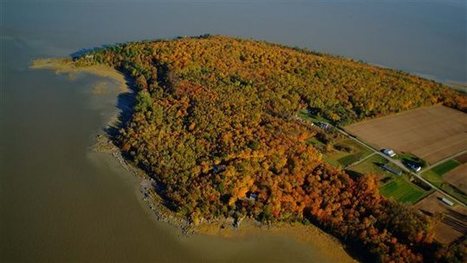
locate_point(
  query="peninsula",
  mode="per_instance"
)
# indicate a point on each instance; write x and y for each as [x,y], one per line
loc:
[216,124]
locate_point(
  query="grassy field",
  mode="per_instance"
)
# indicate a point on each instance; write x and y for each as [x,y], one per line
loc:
[431,133]
[402,191]
[343,158]
[435,174]
[304,115]
[336,156]
[433,178]
[397,187]
[371,165]
[445,167]
[454,192]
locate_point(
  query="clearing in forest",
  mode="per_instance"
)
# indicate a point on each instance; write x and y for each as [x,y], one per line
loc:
[431,133]
[345,152]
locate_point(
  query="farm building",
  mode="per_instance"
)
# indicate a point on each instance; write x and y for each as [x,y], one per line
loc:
[412,165]
[323,125]
[389,152]
[392,169]
[447,201]
[452,226]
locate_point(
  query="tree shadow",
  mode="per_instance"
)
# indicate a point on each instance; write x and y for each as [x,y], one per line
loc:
[353,174]
[125,105]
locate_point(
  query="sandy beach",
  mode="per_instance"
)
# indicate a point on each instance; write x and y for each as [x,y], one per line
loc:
[66,66]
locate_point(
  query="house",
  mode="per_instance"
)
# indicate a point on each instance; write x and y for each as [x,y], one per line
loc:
[412,165]
[389,152]
[323,125]
[79,55]
[252,196]
[392,169]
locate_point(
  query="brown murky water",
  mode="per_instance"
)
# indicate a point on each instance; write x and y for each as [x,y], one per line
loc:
[62,202]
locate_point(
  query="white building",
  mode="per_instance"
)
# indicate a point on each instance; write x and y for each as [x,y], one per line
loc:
[447,201]
[389,152]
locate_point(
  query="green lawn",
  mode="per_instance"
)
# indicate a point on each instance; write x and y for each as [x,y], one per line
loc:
[402,191]
[454,192]
[342,158]
[398,187]
[445,167]
[433,178]
[370,165]
[435,174]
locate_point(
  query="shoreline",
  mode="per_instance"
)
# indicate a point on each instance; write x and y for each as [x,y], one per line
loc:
[310,235]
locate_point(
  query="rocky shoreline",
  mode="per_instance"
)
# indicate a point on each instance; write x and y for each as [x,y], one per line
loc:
[147,187]
[155,202]
[224,227]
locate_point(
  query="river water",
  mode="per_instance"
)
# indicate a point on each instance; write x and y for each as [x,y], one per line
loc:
[59,201]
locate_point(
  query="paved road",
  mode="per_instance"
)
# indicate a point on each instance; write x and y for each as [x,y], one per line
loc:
[399,164]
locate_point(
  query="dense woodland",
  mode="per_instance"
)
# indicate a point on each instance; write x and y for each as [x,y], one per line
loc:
[214,122]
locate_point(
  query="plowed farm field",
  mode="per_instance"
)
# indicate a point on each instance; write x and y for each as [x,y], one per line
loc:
[458,177]
[431,133]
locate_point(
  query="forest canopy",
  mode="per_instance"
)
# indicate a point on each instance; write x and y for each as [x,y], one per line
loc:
[215,123]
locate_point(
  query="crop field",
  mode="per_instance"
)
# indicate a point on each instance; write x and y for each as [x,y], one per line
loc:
[450,177]
[462,158]
[458,177]
[402,191]
[431,133]
[452,226]
[435,174]
[445,167]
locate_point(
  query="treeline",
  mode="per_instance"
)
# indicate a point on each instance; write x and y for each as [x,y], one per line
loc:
[214,122]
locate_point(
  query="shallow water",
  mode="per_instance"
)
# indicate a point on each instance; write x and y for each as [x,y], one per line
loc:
[61,202]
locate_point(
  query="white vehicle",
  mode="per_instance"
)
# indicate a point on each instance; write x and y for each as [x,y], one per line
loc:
[389,152]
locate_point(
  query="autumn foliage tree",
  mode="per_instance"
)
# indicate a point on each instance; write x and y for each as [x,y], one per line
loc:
[214,122]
